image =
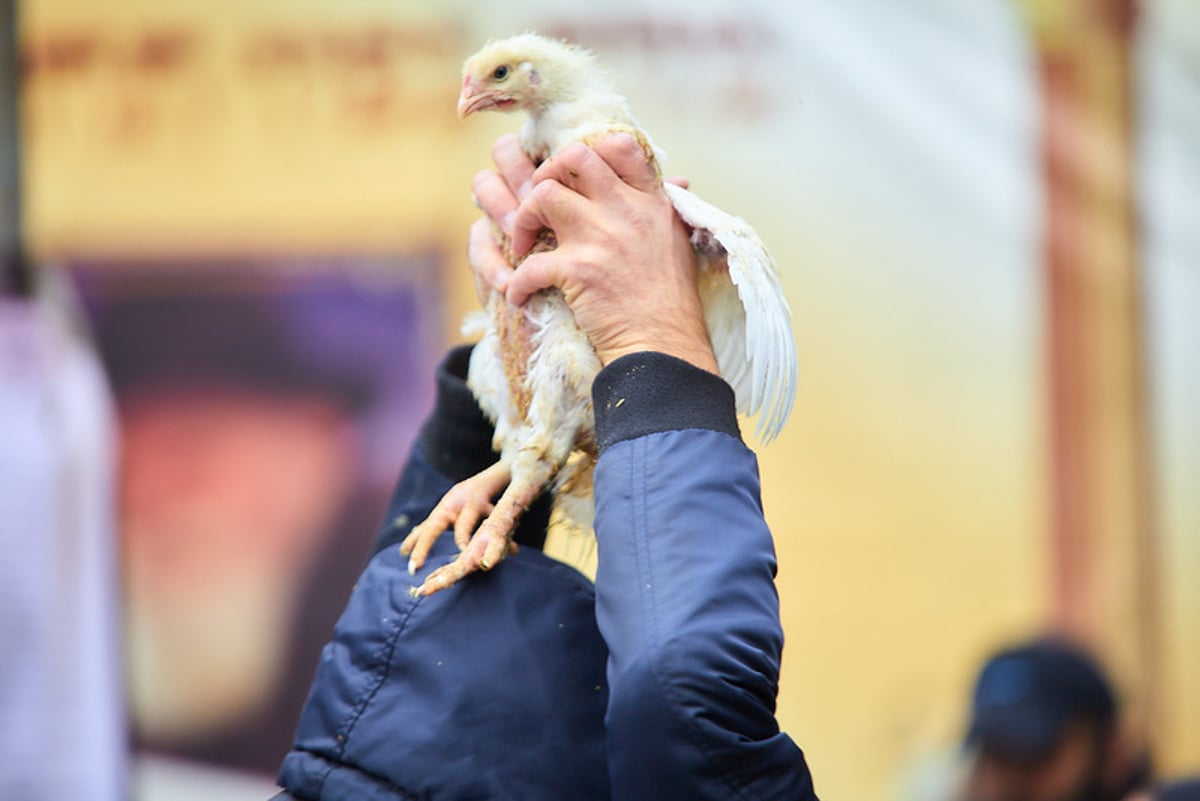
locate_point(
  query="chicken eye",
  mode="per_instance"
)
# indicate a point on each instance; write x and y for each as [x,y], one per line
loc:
[500,73]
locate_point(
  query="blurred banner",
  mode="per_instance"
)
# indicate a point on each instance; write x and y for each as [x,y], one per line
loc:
[265,205]
[264,409]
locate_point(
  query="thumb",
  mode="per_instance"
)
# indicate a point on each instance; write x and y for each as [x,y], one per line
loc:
[537,272]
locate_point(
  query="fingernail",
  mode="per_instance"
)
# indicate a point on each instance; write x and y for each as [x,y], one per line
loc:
[524,190]
[475,201]
[412,567]
[507,222]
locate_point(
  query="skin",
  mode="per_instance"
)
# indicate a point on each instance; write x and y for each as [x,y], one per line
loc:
[623,255]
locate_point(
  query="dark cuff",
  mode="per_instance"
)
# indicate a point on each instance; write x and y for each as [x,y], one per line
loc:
[645,393]
[457,438]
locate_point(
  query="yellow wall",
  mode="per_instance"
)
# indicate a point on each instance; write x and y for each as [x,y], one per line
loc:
[906,495]
[267,126]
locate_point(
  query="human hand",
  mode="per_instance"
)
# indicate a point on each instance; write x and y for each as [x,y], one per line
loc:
[498,193]
[623,255]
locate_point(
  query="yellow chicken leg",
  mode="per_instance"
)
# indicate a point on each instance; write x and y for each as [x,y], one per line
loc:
[461,507]
[493,541]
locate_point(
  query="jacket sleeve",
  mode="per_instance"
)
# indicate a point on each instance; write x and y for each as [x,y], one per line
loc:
[685,594]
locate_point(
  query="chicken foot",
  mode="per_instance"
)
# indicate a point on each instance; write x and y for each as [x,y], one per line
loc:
[463,506]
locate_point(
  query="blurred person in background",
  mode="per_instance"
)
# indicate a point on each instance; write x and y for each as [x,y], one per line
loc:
[62,729]
[62,724]
[1045,726]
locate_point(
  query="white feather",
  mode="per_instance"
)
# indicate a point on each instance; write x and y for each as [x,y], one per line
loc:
[748,318]
[485,374]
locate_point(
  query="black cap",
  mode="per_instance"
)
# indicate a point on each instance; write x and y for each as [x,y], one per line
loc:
[1026,696]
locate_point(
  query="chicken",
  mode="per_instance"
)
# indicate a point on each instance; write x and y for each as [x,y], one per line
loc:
[532,370]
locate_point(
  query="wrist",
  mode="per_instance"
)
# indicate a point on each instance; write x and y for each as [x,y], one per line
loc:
[702,358]
[694,349]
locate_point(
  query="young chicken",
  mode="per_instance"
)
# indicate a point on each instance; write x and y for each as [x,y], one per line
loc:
[532,370]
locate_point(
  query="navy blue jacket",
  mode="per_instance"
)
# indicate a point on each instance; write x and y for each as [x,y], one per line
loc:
[529,683]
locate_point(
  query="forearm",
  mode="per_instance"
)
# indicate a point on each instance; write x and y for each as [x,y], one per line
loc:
[685,592]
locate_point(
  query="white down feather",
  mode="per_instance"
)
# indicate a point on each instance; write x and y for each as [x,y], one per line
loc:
[749,322]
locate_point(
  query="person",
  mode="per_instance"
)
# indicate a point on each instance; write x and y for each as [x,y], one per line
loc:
[1045,726]
[526,681]
[62,726]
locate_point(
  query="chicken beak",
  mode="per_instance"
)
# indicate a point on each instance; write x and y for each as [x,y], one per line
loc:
[472,100]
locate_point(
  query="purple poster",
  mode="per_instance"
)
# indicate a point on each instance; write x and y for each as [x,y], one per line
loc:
[265,410]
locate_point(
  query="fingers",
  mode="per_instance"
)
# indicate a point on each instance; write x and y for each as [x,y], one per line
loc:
[497,192]
[550,205]
[495,197]
[577,173]
[487,259]
[513,165]
[566,191]
[625,157]
[537,272]
[579,167]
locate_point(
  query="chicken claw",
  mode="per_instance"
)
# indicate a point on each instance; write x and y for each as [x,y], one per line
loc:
[485,551]
[493,541]
[462,507]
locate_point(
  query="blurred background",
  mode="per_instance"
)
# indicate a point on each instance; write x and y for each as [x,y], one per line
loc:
[234,247]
